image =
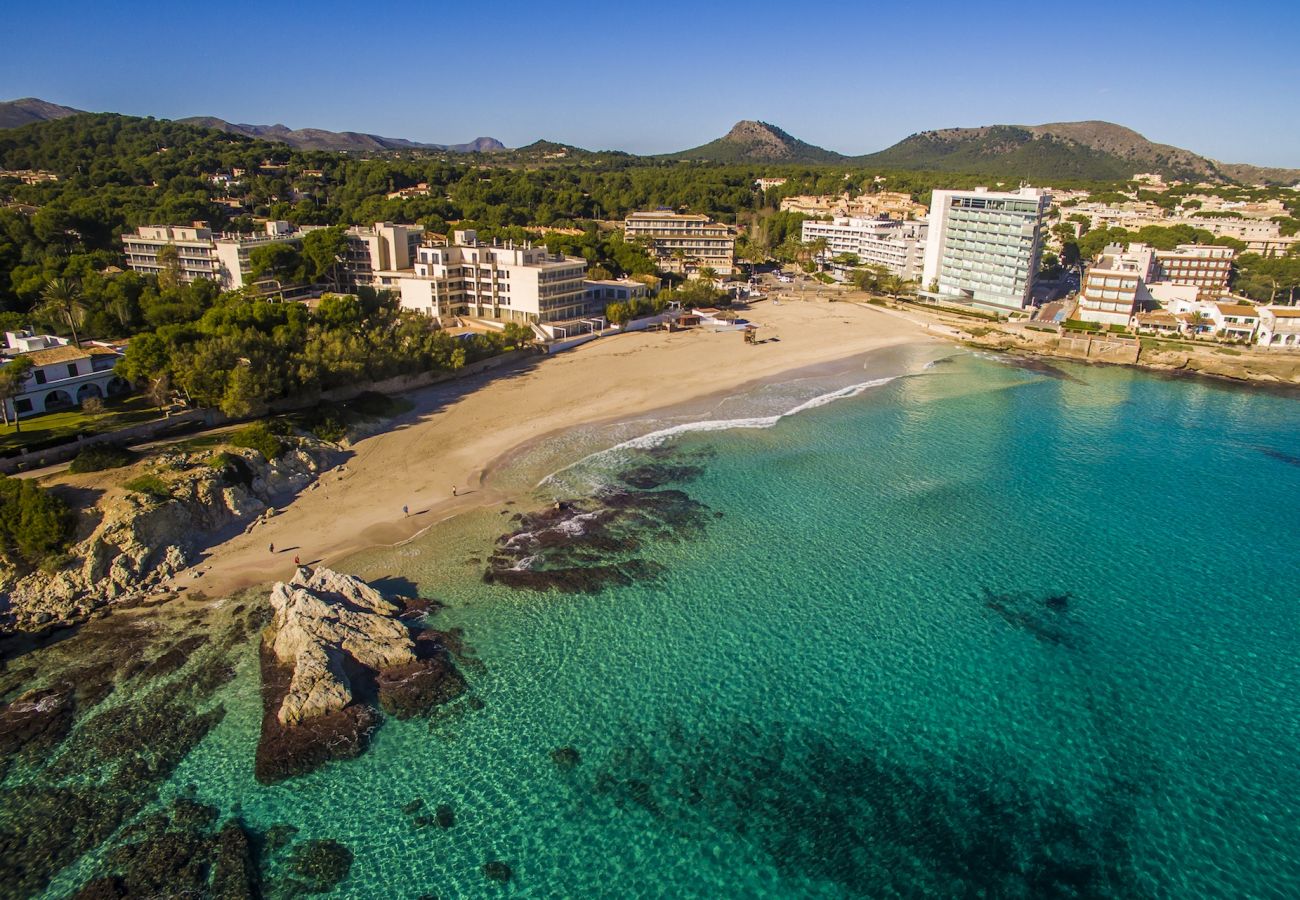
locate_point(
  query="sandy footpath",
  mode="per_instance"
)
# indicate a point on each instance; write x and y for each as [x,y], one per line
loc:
[456,431]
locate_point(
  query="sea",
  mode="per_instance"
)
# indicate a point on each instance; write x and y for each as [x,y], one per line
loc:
[924,623]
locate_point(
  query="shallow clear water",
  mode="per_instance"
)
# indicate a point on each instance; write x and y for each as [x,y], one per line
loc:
[977,630]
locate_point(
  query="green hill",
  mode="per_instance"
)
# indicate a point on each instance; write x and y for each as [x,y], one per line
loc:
[751,141]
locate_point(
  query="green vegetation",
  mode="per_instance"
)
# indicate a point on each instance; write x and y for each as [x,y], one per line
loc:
[151,486]
[35,525]
[1079,325]
[48,429]
[101,456]
[260,437]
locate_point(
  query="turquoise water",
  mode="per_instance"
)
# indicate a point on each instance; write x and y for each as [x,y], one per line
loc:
[974,631]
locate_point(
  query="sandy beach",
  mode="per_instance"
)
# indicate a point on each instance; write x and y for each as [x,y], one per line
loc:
[456,431]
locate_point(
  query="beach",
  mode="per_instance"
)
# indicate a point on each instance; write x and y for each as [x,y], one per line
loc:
[433,460]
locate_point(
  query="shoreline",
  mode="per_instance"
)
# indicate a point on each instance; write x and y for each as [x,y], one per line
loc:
[460,434]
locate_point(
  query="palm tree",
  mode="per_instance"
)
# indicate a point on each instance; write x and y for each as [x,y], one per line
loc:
[61,298]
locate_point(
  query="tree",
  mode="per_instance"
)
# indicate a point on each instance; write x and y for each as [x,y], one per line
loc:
[169,261]
[13,376]
[61,299]
[324,250]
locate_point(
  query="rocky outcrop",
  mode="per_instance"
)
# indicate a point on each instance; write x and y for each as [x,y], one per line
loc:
[336,652]
[141,540]
[326,622]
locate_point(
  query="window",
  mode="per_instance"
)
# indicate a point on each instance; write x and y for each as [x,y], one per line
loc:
[72,370]
[23,406]
[40,376]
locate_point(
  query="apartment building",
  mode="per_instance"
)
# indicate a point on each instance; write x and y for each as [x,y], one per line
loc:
[1115,288]
[201,253]
[897,245]
[376,248]
[1204,266]
[983,246]
[224,258]
[506,283]
[684,243]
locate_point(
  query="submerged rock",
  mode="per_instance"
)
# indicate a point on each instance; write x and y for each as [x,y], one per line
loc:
[584,547]
[444,816]
[498,871]
[565,757]
[320,865]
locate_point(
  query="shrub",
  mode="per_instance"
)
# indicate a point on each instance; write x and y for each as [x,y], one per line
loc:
[326,422]
[261,437]
[100,457]
[34,523]
[150,486]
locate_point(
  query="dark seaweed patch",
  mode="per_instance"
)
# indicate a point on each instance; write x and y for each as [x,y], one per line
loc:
[586,546]
[876,823]
[1046,618]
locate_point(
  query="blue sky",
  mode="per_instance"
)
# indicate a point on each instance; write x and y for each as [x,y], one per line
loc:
[1217,79]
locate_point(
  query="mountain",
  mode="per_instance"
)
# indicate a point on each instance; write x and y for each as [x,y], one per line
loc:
[750,141]
[1084,150]
[344,141]
[14,113]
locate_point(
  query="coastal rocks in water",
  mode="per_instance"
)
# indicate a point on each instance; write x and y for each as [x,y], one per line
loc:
[653,475]
[444,816]
[317,866]
[585,546]
[36,722]
[323,622]
[335,649]
[140,541]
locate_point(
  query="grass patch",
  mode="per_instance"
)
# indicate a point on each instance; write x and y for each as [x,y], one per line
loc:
[50,429]
[150,486]
[101,457]
[259,436]
[1080,325]
[1228,351]
[1040,328]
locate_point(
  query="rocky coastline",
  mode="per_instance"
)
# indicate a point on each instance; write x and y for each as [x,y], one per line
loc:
[131,543]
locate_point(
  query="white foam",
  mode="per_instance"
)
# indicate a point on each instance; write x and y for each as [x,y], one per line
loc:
[657,438]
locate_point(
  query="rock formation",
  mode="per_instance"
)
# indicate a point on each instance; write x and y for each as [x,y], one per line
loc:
[140,541]
[335,650]
[324,620]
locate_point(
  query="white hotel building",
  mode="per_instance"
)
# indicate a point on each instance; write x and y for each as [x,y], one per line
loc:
[899,246]
[983,246]
[505,283]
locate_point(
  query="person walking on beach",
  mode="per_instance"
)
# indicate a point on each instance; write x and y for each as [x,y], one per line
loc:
[453,490]
[271,549]
[406,511]
[295,560]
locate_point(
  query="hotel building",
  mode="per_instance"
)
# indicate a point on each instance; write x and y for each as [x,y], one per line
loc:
[899,246]
[224,258]
[1116,286]
[505,283]
[1204,266]
[684,243]
[983,246]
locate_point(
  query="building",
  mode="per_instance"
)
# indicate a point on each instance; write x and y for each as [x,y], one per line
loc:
[63,376]
[897,245]
[1234,319]
[1279,328]
[224,258]
[983,246]
[201,253]
[764,184]
[684,243]
[502,283]
[379,247]
[1204,266]
[612,290]
[1115,288]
